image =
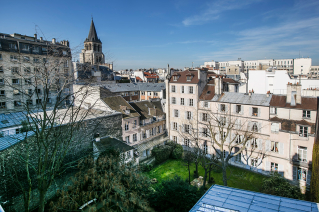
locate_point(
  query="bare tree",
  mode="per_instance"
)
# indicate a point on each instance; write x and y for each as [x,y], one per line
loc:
[53,127]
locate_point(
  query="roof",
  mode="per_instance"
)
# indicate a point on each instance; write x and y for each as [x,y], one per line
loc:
[139,79]
[230,80]
[125,87]
[92,37]
[119,104]
[222,198]
[182,77]
[308,103]
[8,141]
[11,119]
[208,92]
[290,125]
[108,142]
[242,98]
[148,109]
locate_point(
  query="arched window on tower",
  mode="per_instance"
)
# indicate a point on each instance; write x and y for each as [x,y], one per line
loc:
[98,48]
[90,47]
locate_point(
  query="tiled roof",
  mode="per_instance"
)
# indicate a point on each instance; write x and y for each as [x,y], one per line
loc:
[307,103]
[8,141]
[182,77]
[223,198]
[143,108]
[125,87]
[139,79]
[242,98]
[108,142]
[229,80]
[116,102]
[208,92]
[290,125]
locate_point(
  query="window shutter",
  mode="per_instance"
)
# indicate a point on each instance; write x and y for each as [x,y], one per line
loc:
[200,116]
[226,108]
[187,102]
[259,162]
[247,143]
[185,115]
[190,129]
[227,139]
[239,124]
[219,107]
[308,177]
[260,144]
[186,89]
[249,125]
[172,125]
[234,109]
[250,111]
[180,88]
[191,115]
[295,172]
[281,148]
[259,127]
[201,132]
[259,110]
[267,168]
[281,169]
[273,127]
[183,127]
[268,145]
[217,136]
[233,138]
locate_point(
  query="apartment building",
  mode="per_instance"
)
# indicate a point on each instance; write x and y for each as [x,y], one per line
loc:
[257,64]
[26,65]
[231,67]
[281,127]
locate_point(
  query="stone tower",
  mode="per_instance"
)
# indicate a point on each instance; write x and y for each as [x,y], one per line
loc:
[92,52]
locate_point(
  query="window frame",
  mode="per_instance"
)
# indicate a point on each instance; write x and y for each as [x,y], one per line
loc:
[306,114]
[303,131]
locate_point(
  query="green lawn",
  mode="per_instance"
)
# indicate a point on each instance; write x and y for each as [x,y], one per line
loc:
[239,178]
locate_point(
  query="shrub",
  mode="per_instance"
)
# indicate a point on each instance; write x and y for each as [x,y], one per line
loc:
[177,152]
[146,167]
[277,185]
[174,195]
[161,153]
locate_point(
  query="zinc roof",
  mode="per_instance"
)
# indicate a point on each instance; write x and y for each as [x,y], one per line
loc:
[11,119]
[124,87]
[242,98]
[8,141]
[222,198]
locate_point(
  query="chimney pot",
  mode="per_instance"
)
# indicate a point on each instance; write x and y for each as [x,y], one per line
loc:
[53,40]
[41,39]
[35,36]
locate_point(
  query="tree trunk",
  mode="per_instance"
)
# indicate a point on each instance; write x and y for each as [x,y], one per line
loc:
[42,200]
[314,184]
[196,169]
[205,179]
[189,174]
[210,169]
[26,198]
[224,175]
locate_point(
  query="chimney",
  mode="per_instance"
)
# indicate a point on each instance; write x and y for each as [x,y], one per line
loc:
[198,73]
[35,37]
[41,39]
[293,94]
[53,40]
[249,93]
[97,137]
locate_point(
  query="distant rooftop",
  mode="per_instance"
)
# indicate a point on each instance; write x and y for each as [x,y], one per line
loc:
[124,87]
[220,198]
[242,98]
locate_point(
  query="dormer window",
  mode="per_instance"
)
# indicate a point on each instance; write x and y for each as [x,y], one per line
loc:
[175,78]
[189,78]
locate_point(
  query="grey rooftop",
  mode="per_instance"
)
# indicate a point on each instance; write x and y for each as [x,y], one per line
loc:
[222,198]
[11,119]
[8,141]
[242,98]
[125,87]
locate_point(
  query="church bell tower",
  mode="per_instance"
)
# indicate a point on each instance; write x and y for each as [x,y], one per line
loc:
[92,52]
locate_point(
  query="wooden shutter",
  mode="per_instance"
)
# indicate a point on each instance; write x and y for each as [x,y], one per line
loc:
[234,109]
[260,144]
[259,111]
[281,169]
[281,148]
[268,144]
[267,168]
[185,114]
[250,111]
[200,116]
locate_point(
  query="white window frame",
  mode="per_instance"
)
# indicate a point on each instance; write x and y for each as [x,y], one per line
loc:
[302,153]
[173,89]
[274,167]
[306,114]
[303,131]
[176,113]
[191,89]
[191,102]
[182,101]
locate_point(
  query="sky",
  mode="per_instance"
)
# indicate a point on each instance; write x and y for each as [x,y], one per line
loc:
[152,34]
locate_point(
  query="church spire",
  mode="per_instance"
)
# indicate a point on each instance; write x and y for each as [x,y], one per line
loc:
[92,34]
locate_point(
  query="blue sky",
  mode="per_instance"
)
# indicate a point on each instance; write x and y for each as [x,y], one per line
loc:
[145,34]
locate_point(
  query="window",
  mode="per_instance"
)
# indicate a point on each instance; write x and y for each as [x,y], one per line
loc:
[182,89]
[174,125]
[2,105]
[16,92]
[186,142]
[254,127]
[224,154]
[253,162]
[155,94]
[306,114]
[182,101]
[222,121]
[238,108]
[303,132]
[27,81]
[274,167]
[2,93]
[134,123]
[222,107]
[1,69]
[300,173]
[174,100]
[37,91]
[143,93]
[15,81]
[175,78]
[150,93]
[36,60]
[188,115]
[205,132]
[26,59]
[27,69]
[205,104]
[126,127]
[175,139]
[173,88]
[274,127]
[127,139]
[25,47]
[135,137]
[254,111]
[187,128]
[17,130]
[191,90]
[17,103]
[302,153]
[204,117]
[191,102]
[36,49]
[176,113]
[15,70]
[189,78]
[135,93]
[238,139]
[237,158]
[274,146]
[0,54]
[13,46]
[29,102]
[254,144]
[49,100]
[273,110]
[1,81]
[205,149]
[13,58]
[38,101]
